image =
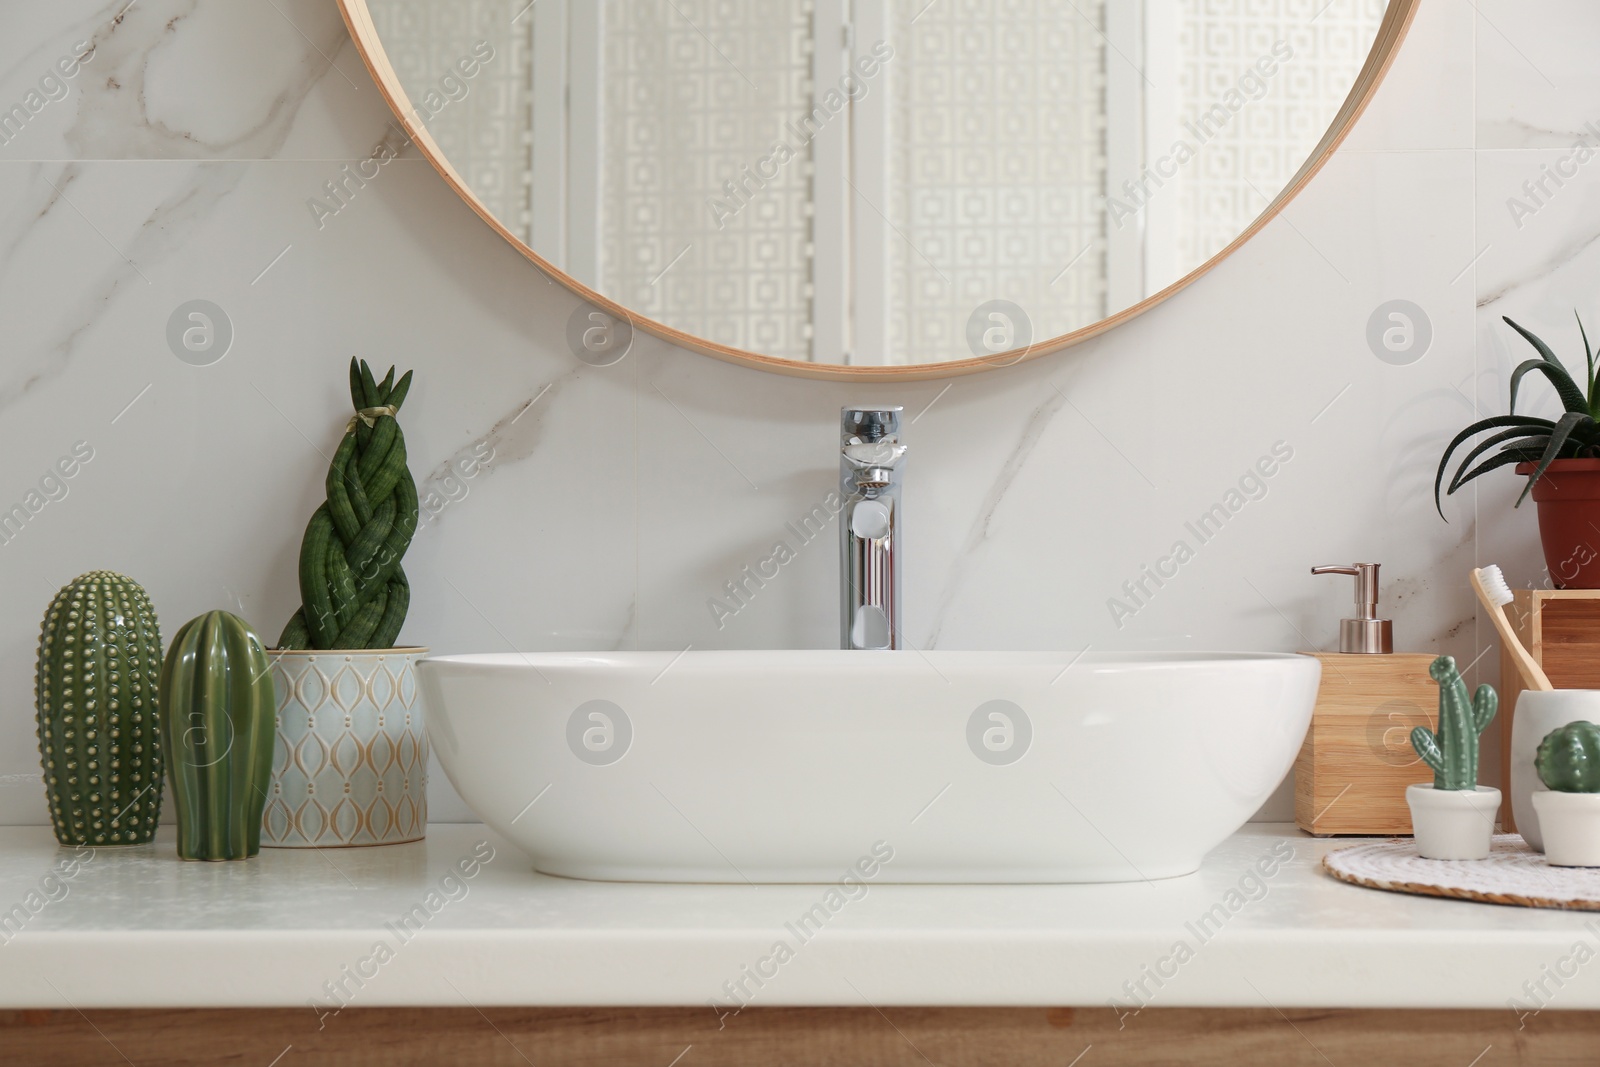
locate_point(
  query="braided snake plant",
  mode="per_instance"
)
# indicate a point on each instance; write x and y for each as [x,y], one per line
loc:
[353,593]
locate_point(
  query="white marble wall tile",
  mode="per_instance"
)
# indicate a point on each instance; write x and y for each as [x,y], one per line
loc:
[1537,211]
[183,79]
[1537,82]
[201,489]
[1033,493]
[624,497]
[1426,99]
[1538,269]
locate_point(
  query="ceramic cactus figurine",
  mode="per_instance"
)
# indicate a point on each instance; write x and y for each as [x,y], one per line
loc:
[1568,760]
[1453,751]
[95,693]
[353,594]
[217,727]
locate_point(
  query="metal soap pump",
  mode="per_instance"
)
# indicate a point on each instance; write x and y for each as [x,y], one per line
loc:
[1357,760]
[1366,634]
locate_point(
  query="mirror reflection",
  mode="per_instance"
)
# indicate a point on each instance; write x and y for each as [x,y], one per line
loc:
[877,182]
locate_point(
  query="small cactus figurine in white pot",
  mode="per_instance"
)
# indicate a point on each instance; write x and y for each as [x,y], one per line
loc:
[351,762]
[1539,713]
[1453,819]
[1569,810]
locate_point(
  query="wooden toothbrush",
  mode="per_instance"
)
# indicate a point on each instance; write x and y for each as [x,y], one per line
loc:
[1495,594]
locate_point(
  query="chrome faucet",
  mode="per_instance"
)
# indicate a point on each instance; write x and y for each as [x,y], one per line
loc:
[869,527]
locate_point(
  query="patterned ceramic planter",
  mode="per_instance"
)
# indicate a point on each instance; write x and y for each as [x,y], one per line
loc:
[351,762]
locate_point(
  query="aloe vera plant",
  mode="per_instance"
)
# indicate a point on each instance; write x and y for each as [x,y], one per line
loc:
[1568,760]
[353,592]
[1527,438]
[1452,752]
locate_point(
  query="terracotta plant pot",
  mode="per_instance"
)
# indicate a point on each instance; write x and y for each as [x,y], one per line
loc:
[1568,497]
[351,762]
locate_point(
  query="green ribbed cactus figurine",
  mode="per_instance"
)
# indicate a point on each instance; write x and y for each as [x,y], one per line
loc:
[95,691]
[1568,760]
[1453,751]
[217,727]
[353,594]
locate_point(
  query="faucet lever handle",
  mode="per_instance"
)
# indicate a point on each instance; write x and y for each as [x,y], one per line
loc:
[869,424]
[885,452]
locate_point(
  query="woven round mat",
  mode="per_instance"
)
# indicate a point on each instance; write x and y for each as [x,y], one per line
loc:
[1513,874]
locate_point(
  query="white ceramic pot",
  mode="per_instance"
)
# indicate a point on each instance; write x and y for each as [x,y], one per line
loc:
[1453,824]
[350,765]
[1538,713]
[1570,826]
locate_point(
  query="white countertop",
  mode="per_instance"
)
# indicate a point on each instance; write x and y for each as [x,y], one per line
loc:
[136,927]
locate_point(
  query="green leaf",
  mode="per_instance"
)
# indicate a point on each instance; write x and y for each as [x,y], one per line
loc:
[394,615]
[369,388]
[353,591]
[357,629]
[1494,422]
[1552,451]
[314,595]
[1518,436]
[361,549]
[1572,398]
[355,383]
[1504,459]
[1542,348]
[347,503]
[296,634]
[398,395]
[1588,355]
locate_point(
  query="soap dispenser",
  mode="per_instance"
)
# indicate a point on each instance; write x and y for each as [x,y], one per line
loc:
[1357,759]
[1366,634]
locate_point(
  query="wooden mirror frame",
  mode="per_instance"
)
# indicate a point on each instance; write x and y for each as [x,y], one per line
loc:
[1396,21]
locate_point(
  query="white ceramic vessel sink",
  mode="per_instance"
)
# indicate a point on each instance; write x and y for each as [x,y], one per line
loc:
[802,766]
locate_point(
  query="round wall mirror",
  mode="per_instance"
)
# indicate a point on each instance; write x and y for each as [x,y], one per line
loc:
[889,189]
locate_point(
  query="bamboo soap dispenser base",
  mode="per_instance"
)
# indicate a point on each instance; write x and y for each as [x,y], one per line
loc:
[1357,759]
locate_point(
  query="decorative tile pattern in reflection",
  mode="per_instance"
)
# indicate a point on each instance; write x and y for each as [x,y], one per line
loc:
[697,93]
[998,169]
[1264,142]
[350,766]
[485,129]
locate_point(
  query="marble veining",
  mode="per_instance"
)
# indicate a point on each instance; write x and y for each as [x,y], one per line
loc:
[163,233]
[1515,133]
[1034,429]
[509,440]
[192,142]
[1553,261]
[139,91]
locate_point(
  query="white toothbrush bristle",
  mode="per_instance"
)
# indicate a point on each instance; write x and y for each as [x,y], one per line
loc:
[1494,583]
